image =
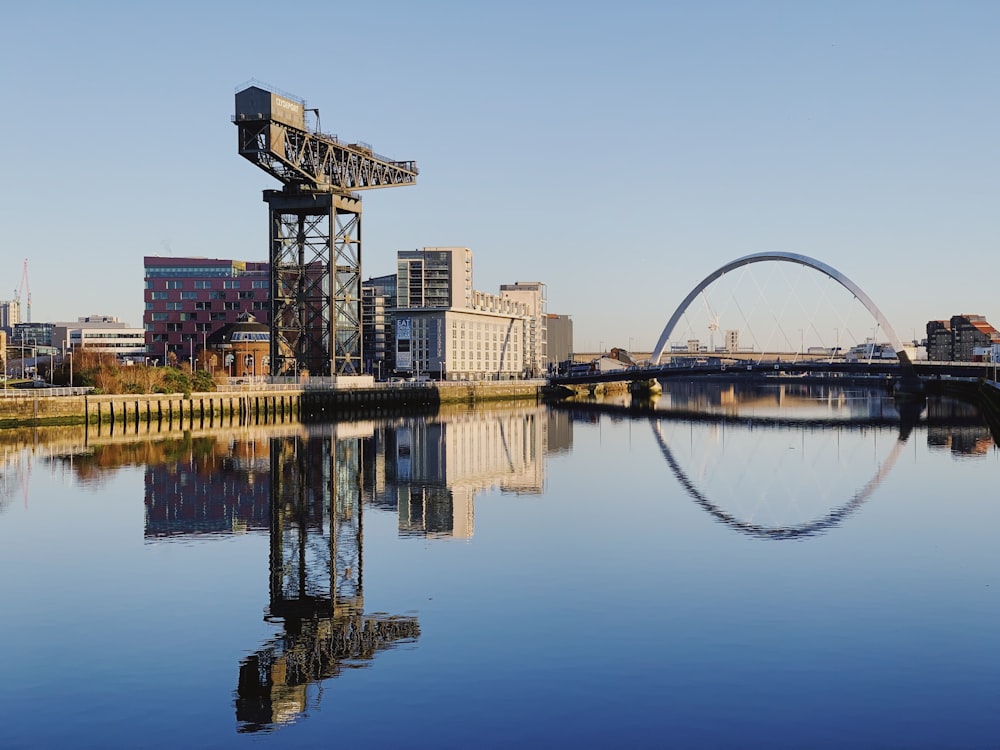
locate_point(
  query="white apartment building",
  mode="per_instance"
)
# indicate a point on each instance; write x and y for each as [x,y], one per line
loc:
[446,330]
[532,294]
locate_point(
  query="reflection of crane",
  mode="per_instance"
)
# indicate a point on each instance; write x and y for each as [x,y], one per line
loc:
[316,591]
[315,228]
[19,292]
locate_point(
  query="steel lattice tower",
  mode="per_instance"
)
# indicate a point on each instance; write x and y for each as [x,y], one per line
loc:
[314,229]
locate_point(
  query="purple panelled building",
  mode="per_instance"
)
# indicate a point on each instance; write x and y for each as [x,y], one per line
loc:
[189,298]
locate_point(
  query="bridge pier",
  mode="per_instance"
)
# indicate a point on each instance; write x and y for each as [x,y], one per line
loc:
[645,387]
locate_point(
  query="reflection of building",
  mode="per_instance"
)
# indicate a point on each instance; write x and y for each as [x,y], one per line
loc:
[210,489]
[434,469]
[972,439]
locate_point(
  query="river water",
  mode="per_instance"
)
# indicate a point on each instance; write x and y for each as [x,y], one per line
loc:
[779,567]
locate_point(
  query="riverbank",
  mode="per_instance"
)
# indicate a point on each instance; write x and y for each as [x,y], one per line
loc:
[256,403]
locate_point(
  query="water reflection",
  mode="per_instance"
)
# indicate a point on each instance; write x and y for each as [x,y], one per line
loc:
[316,588]
[840,445]
[307,489]
[429,471]
[791,464]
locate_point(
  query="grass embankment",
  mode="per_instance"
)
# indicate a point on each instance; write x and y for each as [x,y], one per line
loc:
[106,375]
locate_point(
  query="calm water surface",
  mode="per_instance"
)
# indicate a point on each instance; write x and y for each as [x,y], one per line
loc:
[770,567]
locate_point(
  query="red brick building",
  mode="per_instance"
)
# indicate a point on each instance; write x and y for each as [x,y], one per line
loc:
[189,299]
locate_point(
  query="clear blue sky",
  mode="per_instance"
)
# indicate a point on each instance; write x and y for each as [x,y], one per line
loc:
[618,152]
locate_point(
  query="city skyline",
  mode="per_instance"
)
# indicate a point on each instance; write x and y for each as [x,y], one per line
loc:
[618,157]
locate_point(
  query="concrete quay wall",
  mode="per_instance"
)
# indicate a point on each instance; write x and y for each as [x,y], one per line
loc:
[259,405]
[318,405]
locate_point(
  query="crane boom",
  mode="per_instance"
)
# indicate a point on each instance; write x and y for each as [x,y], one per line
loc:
[273,135]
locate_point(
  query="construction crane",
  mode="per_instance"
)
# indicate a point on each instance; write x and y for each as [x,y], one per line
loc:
[21,289]
[314,227]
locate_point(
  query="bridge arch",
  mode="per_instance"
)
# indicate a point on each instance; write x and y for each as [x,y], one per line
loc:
[803,260]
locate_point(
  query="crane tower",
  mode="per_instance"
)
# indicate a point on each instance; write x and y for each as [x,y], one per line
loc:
[314,230]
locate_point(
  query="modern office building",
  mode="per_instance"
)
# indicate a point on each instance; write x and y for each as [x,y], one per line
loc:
[38,335]
[101,333]
[187,299]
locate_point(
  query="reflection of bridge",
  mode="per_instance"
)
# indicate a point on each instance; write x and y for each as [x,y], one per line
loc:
[735,426]
[809,528]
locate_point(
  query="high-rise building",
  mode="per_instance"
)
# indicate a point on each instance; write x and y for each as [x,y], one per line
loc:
[939,340]
[438,277]
[10,314]
[186,299]
[558,338]
[378,296]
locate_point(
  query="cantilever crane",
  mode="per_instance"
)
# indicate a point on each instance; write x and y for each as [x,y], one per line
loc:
[315,229]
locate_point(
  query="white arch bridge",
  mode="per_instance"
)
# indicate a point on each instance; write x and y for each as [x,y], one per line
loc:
[902,369]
